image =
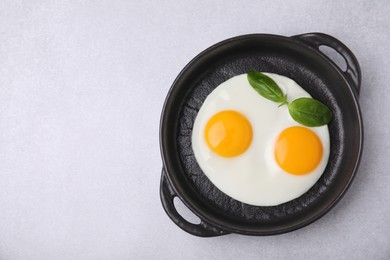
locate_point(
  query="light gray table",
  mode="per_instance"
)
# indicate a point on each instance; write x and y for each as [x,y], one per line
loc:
[81,91]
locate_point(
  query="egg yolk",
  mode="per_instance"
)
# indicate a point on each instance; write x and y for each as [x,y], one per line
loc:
[298,150]
[228,133]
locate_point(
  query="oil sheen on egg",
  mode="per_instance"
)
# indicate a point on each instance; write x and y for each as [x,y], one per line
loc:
[250,171]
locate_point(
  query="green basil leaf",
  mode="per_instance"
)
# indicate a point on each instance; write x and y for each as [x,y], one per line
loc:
[266,87]
[310,112]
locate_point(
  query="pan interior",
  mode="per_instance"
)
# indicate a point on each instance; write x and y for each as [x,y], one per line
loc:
[311,71]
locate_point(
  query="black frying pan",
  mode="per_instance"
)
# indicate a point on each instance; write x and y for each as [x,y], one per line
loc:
[296,57]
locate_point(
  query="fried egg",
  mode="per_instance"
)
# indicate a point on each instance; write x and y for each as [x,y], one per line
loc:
[252,150]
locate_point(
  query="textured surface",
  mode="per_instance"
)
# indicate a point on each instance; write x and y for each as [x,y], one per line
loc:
[82,84]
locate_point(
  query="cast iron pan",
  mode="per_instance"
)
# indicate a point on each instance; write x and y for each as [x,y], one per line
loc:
[296,57]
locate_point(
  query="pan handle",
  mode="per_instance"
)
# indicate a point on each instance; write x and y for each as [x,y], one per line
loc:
[352,73]
[167,194]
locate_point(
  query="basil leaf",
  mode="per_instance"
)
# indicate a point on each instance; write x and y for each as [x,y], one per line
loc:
[266,87]
[310,112]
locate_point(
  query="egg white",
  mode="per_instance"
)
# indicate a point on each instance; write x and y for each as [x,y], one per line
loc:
[254,177]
